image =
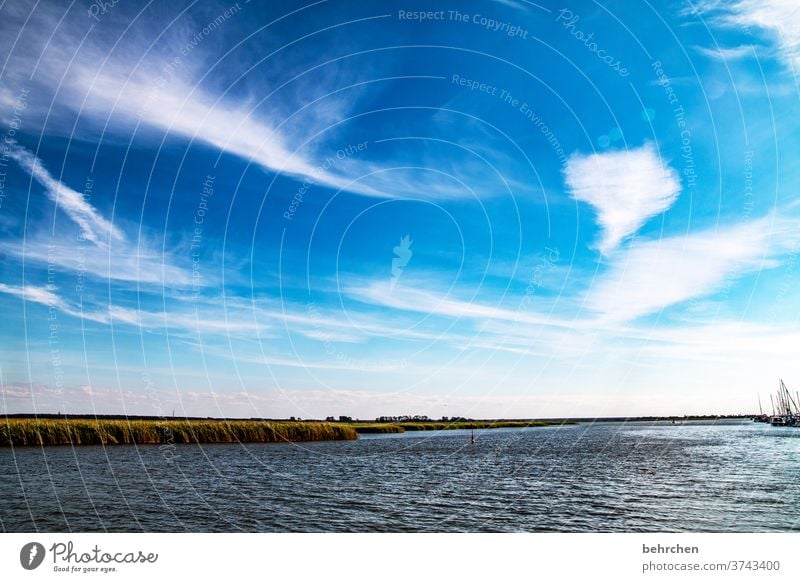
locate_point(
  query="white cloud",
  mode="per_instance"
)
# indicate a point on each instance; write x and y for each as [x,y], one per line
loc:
[47,296]
[781,18]
[139,263]
[652,275]
[625,187]
[727,53]
[721,341]
[197,321]
[182,319]
[417,300]
[259,354]
[225,318]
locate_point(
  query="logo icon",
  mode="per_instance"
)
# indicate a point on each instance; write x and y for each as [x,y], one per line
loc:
[31,555]
[403,254]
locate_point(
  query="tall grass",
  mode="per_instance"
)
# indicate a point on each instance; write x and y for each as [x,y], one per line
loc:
[28,431]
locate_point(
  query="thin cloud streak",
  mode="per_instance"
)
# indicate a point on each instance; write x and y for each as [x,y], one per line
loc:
[108,255]
[48,297]
[93,226]
[727,53]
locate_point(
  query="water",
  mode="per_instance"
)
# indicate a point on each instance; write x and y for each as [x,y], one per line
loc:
[716,477]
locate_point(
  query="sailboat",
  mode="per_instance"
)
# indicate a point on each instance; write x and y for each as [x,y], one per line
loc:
[761,416]
[788,409]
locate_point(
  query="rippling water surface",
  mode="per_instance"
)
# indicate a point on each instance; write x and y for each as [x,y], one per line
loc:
[731,476]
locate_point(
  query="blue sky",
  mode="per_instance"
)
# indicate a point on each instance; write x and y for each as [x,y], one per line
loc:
[488,209]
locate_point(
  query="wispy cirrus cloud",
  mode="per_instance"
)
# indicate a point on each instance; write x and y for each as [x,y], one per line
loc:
[224,318]
[139,263]
[288,125]
[183,318]
[48,296]
[427,302]
[625,187]
[148,81]
[238,128]
[651,275]
[94,227]
[107,254]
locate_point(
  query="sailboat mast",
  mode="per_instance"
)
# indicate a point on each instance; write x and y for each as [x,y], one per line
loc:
[785,396]
[793,404]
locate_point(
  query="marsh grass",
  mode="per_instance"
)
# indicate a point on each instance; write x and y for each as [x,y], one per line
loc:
[30,431]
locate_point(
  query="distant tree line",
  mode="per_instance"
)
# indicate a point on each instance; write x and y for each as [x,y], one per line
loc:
[405,418]
[402,418]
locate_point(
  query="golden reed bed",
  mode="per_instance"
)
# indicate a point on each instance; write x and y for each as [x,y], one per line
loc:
[30,431]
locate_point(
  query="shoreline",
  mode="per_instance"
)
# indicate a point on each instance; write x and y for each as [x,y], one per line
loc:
[412,426]
[54,430]
[20,431]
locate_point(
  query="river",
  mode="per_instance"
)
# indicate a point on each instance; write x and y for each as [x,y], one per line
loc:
[729,476]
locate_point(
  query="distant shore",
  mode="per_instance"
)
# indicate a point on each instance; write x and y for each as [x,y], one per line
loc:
[53,429]
[403,426]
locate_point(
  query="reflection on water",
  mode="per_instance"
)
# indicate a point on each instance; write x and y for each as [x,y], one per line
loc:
[733,476]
